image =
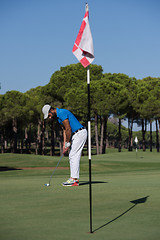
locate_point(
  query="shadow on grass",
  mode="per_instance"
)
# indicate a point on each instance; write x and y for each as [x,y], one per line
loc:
[3,169]
[93,182]
[135,202]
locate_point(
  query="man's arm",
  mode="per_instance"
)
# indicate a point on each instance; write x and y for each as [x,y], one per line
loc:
[66,134]
[67,129]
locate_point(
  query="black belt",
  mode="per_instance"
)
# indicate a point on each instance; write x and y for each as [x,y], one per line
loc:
[78,130]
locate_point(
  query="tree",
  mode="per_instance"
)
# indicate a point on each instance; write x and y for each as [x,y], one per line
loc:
[13,113]
[76,96]
[107,97]
[122,98]
[71,76]
[144,103]
[37,99]
[153,105]
[2,124]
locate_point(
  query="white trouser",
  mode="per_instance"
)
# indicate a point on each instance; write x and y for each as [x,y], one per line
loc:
[78,141]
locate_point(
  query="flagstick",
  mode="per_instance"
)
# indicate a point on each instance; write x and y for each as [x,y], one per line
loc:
[84,38]
[89,148]
[136,152]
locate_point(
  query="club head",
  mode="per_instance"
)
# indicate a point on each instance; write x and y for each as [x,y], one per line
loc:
[47,185]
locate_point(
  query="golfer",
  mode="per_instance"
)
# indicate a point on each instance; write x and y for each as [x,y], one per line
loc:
[74,137]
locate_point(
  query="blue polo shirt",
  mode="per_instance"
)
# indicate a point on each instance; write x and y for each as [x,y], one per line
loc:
[63,114]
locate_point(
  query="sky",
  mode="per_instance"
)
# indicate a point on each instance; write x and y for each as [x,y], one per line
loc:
[37,37]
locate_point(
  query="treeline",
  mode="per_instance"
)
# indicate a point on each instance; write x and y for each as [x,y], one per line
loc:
[23,129]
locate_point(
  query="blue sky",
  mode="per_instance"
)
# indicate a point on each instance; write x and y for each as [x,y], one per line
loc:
[37,36]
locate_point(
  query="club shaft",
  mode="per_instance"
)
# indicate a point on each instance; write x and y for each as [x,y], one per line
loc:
[55,169]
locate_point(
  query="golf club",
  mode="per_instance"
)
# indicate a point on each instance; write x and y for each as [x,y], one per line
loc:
[48,184]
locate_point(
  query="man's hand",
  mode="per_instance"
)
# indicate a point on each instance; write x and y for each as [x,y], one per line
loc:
[66,146]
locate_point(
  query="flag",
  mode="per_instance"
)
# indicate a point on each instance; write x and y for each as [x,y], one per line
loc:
[136,139]
[83,46]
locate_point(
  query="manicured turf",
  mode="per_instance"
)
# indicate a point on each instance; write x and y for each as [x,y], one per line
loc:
[30,211]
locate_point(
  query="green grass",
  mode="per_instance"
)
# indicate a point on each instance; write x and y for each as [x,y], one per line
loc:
[30,211]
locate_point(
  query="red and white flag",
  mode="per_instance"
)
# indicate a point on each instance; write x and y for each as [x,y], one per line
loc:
[83,46]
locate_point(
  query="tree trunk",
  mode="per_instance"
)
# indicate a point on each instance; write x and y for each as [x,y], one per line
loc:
[29,138]
[5,144]
[52,151]
[150,135]
[130,127]
[43,138]
[157,136]
[96,133]
[143,136]
[107,141]
[159,130]
[39,145]
[14,125]
[26,138]
[2,143]
[103,135]
[36,142]
[119,137]
[22,144]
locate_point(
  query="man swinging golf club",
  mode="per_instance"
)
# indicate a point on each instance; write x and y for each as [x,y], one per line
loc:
[74,137]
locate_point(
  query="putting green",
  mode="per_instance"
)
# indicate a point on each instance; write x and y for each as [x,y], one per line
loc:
[30,210]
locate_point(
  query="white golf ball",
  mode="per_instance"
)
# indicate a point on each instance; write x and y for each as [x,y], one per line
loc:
[47,184]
